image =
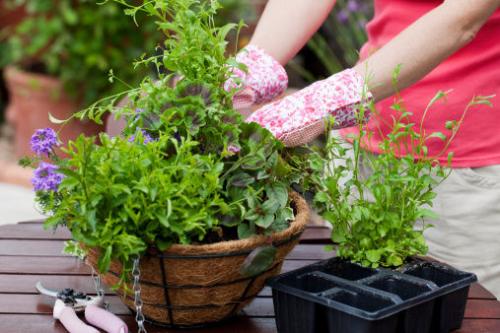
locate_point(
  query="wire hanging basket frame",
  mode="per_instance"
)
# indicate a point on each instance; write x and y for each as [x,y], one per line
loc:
[200,285]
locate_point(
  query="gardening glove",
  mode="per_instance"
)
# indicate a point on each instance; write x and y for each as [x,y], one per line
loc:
[299,118]
[264,80]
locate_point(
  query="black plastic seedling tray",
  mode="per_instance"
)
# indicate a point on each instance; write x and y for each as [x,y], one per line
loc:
[337,296]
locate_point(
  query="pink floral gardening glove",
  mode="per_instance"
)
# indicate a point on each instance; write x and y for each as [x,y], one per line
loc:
[299,118]
[265,79]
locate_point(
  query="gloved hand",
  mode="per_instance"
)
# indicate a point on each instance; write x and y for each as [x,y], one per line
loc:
[299,118]
[265,78]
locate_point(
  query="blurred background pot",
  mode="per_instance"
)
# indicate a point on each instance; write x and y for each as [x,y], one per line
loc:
[32,98]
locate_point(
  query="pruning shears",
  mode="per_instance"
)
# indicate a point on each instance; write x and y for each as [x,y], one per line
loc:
[69,302]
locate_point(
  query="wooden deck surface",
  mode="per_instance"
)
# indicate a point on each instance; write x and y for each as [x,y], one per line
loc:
[29,254]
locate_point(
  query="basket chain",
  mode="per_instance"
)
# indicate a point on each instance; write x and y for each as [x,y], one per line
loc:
[139,317]
[97,283]
[98,286]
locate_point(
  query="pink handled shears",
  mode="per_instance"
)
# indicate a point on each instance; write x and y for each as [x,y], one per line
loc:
[68,302]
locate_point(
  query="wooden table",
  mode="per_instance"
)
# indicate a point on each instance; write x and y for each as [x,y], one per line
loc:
[29,254]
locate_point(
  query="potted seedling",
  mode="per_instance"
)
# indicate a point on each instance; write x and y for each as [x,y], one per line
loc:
[58,61]
[189,211]
[376,204]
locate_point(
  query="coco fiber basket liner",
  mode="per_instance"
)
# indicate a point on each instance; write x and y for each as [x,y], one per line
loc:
[194,285]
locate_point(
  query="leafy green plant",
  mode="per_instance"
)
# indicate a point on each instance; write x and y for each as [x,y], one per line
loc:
[187,168]
[79,42]
[377,203]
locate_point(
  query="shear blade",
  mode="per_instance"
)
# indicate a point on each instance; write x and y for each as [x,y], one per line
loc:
[42,290]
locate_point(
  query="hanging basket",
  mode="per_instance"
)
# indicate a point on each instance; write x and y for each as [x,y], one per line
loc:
[196,285]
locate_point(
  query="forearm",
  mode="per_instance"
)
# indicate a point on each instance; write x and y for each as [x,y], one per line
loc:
[425,44]
[286,25]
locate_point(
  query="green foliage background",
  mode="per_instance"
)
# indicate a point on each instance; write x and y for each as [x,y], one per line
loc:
[79,42]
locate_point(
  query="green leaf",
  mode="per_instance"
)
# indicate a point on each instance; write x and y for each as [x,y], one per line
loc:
[373,255]
[245,231]
[105,260]
[279,193]
[394,260]
[438,135]
[329,248]
[265,221]
[338,235]
[427,213]
[321,197]
[258,261]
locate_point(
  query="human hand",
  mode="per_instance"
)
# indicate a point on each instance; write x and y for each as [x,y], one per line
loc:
[299,118]
[264,80]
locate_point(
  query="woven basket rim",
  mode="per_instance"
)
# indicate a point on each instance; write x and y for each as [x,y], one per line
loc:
[296,227]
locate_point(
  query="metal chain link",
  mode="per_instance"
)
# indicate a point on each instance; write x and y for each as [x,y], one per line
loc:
[139,317]
[98,286]
[97,283]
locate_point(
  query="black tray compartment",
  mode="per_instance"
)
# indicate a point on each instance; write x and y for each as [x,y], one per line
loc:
[337,296]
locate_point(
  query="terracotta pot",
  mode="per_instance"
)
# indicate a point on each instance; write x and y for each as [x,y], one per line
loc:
[32,98]
[10,17]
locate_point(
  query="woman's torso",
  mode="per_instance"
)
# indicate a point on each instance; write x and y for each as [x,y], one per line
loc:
[473,70]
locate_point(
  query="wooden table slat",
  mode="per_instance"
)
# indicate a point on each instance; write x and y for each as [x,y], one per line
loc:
[480,326]
[42,265]
[25,284]
[32,231]
[487,309]
[27,323]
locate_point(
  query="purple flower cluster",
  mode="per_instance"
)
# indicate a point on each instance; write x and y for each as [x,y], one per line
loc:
[147,137]
[46,177]
[43,141]
[353,6]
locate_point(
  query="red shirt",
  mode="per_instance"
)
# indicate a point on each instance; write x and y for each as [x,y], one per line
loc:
[473,70]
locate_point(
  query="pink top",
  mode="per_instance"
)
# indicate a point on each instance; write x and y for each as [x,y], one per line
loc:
[473,70]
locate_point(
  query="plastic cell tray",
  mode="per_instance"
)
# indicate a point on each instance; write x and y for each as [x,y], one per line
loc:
[337,296]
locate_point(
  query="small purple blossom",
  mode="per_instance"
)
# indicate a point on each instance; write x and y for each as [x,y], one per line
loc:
[146,136]
[233,149]
[343,16]
[46,178]
[353,6]
[43,141]
[177,137]
[138,112]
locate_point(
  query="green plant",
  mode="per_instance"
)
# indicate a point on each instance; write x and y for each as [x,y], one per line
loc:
[377,203]
[79,42]
[187,168]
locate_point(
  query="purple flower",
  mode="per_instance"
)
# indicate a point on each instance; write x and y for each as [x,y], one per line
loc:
[233,149]
[145,135]
[353,5]
[177,137]
[43,141]
[343,16]
[46,178]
